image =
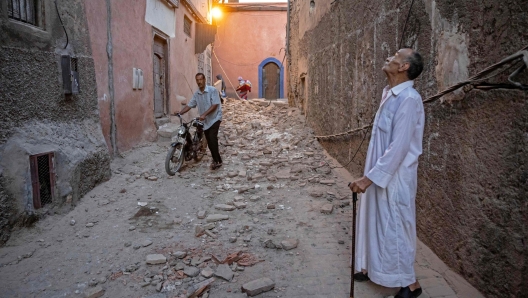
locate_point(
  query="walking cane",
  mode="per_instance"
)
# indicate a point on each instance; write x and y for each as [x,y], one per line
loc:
[354,200]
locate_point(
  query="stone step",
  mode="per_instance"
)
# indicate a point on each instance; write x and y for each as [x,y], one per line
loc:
[160,121]
[168,130]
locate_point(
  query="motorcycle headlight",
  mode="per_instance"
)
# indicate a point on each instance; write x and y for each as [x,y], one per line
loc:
[181,130]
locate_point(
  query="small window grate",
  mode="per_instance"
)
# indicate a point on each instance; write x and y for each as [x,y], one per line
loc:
[74,64]
[24,11]
[42,178]
[187,23]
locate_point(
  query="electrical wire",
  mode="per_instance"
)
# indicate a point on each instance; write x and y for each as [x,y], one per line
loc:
[60,19]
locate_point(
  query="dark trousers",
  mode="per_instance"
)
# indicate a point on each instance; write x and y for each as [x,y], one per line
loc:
[211,135]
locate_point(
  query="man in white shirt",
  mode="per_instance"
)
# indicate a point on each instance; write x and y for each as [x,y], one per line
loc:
[386,221]
[208,101]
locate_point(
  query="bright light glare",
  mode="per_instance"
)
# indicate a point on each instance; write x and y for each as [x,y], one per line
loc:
[217,13]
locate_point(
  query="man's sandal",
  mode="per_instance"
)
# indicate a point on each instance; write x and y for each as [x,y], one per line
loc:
[406,292]
[360,276]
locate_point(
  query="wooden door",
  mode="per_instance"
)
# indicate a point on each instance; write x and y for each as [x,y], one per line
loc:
[271,84]
[159,68]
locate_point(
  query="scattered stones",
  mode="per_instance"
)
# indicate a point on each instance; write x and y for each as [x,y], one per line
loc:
[240,205]
[341,241]
[131,228]
[232,239]
[238,199]
[216,217]
[180,254]
[156,259]
[89,225]
[327,208]
[223,271]
[94,292]
[207,272]
[316,193]
[209,226]
[152,178]
[72,222]
[199,231]
[242,173]
[225,207]
[210,234]
[232,174]
[258,286]
[201,214]
[254,198]
[327,182]
[146,243]
[289,244]
[191,271]
[270,206]
[127,244]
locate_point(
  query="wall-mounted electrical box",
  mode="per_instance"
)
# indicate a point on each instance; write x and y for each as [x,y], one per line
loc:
[137,78]
[70,75]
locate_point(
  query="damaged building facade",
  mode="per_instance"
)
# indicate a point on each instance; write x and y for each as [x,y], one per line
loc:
[146,56]
[471,203]
[82,81]
[52,149]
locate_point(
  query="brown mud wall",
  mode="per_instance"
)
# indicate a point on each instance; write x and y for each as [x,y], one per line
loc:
[472,198]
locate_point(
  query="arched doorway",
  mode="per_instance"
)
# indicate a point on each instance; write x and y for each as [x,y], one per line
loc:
[271,78]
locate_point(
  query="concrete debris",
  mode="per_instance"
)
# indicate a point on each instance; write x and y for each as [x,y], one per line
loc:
[258,286]
[223,271]
[156,259]
[327,208]
[225,207]
[191,271]
[289,244]
[201,214]
[216,217]
[94,292]
[180,254]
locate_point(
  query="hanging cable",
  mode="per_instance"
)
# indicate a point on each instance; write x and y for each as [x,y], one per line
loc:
[60,19]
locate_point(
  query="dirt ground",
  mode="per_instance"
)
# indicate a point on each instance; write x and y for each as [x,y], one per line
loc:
[293,194]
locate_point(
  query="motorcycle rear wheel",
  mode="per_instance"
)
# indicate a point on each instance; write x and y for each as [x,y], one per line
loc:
[199,154]
[174,159]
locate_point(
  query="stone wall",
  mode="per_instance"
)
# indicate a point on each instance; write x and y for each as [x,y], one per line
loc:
[472,197]
[36,117]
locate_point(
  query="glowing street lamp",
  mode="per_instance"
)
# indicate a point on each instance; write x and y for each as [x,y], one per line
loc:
[217,13]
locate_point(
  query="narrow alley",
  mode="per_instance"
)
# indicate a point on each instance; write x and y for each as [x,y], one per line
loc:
[291,224]
[263,148]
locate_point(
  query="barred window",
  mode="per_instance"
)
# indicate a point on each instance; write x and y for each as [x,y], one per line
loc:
[27,11]
[187,23]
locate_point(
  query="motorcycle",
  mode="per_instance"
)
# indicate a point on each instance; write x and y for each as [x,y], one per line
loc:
[186,145]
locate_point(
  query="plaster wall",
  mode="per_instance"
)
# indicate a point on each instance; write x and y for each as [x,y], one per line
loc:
[471,204]
[132,47]
[244,39]
[36,117]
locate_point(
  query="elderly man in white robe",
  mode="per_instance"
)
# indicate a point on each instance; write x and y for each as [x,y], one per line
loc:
[386,221]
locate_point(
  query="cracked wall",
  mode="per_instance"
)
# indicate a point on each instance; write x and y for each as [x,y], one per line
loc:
[36,117]
[471,204]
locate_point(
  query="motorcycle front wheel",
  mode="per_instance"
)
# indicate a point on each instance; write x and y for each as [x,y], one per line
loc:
[174,159]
